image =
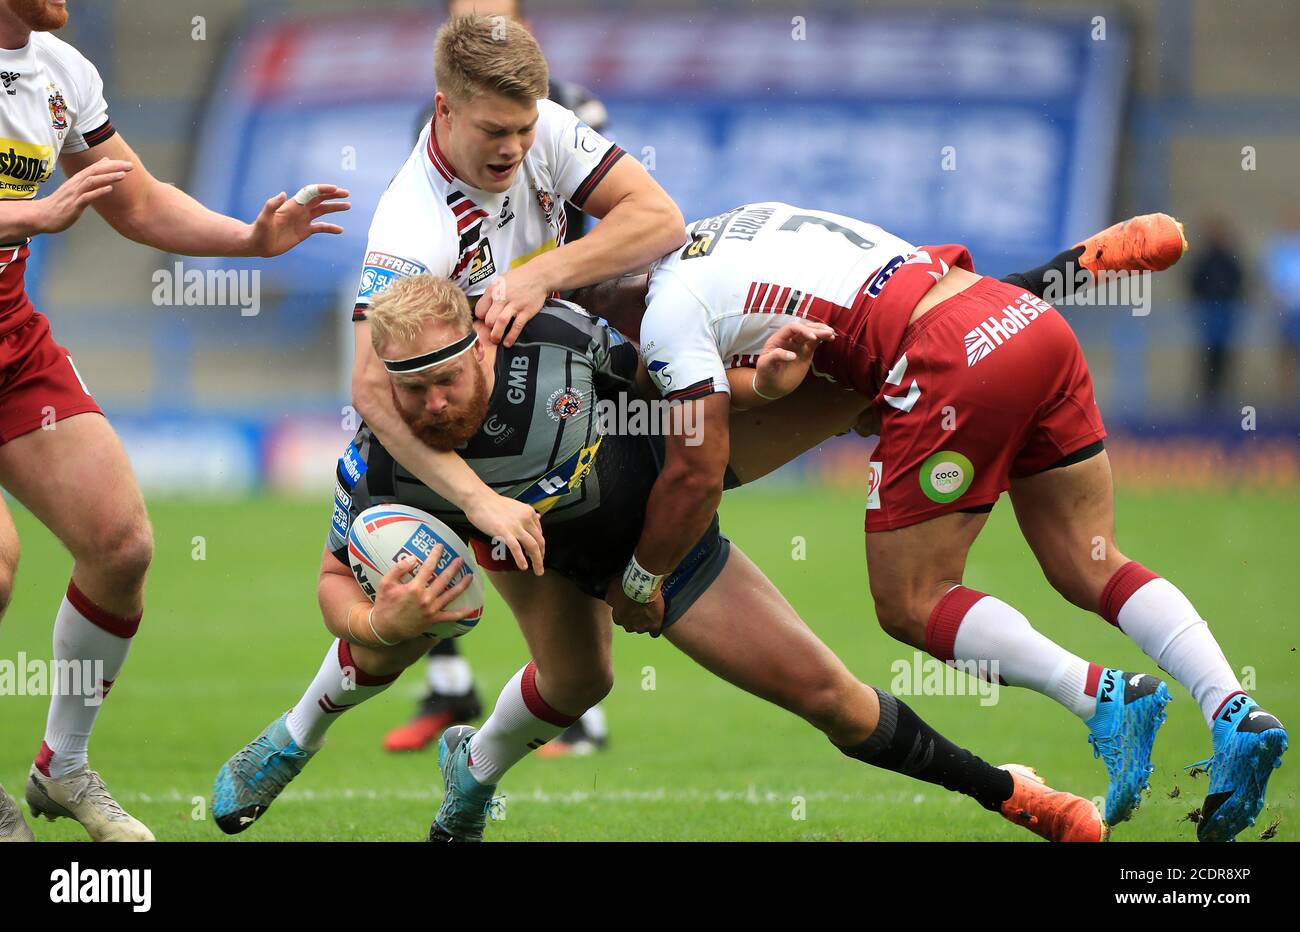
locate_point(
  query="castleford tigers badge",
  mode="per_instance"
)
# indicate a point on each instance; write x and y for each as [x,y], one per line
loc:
[564,403]
[58,111]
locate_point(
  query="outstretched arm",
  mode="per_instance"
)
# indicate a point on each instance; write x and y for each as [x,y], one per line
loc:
[146,210]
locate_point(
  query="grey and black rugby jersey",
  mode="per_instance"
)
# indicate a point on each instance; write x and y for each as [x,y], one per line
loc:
[542,434]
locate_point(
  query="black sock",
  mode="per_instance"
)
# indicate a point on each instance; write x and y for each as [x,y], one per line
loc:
[1063,268]
[902,742]
[444,648]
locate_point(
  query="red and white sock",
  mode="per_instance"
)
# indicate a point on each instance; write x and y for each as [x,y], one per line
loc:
[88,642]
[1160,619]
[339,685]
[968,625]
[521,722]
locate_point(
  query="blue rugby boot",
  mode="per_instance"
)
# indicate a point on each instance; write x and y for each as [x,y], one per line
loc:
[1248,747]
[251,780]
[465,803]
[1130,710]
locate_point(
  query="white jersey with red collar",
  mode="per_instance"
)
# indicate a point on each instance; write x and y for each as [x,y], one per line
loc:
[743,275]
[430,221]
[51,102]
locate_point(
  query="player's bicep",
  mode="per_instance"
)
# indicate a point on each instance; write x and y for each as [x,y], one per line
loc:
[626,179]
[698,439]
[369,377]
[128,194]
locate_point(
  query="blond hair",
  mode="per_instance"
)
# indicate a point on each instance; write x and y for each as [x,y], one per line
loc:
[399,314]
[489,54]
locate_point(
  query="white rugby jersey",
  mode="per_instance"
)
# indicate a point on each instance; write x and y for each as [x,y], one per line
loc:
[51,102]
[430,221]
[713,304]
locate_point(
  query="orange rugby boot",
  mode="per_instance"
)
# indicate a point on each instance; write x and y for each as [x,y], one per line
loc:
[1053,814]
[1149,243]
[421,731]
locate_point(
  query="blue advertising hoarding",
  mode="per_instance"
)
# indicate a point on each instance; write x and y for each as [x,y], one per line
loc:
[998,132]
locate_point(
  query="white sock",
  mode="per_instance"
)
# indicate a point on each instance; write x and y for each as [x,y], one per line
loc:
[522,721]
[982,628]
[339,685]
[448,674]
[1161,620]
[90,645]
[594,724]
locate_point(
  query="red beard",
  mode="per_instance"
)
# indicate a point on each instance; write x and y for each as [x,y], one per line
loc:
[39,16]
[450,431]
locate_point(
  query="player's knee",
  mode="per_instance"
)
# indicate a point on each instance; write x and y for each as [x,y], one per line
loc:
[8,571]
[902,619]
[593,687]
[576,691]
[1072,587]
[1081,581]
[827,703]
[126,553]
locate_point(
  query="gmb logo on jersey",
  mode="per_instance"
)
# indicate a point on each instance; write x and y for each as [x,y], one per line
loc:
[23,167]
[381,270]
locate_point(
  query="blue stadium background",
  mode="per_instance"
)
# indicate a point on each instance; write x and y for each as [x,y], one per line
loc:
[1013,127]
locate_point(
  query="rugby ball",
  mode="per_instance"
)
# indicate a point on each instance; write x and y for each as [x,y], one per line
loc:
[383,534]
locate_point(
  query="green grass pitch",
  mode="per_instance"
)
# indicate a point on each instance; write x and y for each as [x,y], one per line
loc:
[229,642]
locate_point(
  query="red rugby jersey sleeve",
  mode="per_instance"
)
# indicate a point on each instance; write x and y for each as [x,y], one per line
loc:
[678,347]
[579,157]
[90,122]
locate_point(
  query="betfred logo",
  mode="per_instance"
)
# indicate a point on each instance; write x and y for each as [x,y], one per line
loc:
[875,478]
[946,476]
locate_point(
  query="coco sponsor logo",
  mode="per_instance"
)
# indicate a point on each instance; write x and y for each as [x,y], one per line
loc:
[946,476]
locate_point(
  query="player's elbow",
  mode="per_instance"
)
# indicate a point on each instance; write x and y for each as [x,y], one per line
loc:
[695,488]
[668,223]
[369,394]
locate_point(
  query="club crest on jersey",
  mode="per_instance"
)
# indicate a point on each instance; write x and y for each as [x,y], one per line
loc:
[563,404]
[58,111]
[10,78]
[546,201]
[481,266]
